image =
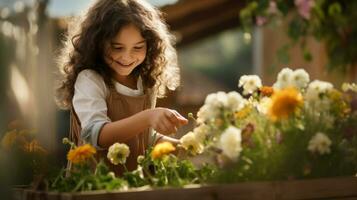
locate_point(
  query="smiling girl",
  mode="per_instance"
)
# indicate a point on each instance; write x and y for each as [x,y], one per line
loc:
[117,60]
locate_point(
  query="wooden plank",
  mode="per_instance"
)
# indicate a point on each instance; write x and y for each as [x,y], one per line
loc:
[245,191]
[342,187]
[327,188]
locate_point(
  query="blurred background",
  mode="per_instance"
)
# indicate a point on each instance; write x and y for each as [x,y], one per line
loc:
[213,48]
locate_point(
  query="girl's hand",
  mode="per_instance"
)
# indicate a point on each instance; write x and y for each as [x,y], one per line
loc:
[165,121]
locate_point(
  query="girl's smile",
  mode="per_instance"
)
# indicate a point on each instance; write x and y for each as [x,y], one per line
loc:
[124,65]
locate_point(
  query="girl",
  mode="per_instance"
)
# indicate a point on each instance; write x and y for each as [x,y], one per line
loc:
[118,59]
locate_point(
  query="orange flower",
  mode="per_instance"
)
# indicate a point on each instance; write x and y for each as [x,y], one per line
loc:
[81,153]
[162,149]
[9,139]
[284,103]
[13,139]
[34,147]
[266,91]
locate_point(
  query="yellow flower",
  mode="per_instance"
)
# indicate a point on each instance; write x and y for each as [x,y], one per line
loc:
[284,103]
[9,139]
[162,149]
[243,112]
[34,147]
[81,153]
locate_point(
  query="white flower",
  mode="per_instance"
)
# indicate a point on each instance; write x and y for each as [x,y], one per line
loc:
[317,89]
[284,78]
[117,153]
[201,132]
[216,100]
[235,101]
[206,113]
[349,87]
[289,78]
[250,83]
[191,142]
[111,174]
[231,142]
[300,78]
[320,143]
[263,105]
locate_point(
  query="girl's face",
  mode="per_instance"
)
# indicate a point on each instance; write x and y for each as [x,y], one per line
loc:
[125,51]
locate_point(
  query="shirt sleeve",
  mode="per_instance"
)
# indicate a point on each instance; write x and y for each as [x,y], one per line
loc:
[90,106]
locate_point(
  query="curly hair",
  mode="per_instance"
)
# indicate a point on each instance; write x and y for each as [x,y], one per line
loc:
[84,46]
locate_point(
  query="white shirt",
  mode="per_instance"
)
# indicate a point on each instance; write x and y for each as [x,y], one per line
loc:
[89,102]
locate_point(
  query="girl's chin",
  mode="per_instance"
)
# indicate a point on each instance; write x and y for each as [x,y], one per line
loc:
[124,72]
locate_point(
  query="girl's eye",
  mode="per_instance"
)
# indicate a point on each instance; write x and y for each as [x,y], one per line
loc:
[118,48]
[138,48]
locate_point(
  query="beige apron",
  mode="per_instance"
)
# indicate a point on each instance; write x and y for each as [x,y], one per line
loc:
[119,107]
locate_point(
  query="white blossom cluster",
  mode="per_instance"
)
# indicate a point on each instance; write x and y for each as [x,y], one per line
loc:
[288,78]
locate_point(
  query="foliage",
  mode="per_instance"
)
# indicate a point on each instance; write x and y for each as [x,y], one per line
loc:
[85,173]
[159,167]
[296,129]
[23,153]
[332,22]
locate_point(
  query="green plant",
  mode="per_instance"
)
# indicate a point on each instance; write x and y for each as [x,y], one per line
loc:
[331,22]
[296,129]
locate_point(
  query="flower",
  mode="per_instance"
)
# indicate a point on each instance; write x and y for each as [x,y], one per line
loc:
[266,91]
[207,113]
[316,93]
[284,103]
[272,7]
[201,132]
[231,142]
[15,139]
[9,139]
[117,153]
[349,87]
[243,112]
[304,7]
[81,153]
[162,149]
[320,143]
[34,147]
[283,79]
[260,20]
[235,101]
[216,100]
[300,78]
[289,78]
[264,104]
[192,143]
[250,83]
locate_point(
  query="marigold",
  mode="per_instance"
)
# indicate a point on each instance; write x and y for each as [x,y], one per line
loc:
[266,91]
[162,149]
[284,103]
[81,153]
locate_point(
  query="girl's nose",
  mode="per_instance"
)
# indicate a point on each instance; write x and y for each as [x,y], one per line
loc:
[126,57]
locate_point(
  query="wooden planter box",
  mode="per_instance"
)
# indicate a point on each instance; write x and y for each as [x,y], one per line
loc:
[327,188]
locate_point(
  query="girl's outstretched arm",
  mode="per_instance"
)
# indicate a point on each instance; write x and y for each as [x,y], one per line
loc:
[163,120]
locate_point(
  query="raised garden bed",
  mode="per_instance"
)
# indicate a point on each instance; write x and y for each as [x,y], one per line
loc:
[326,188]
